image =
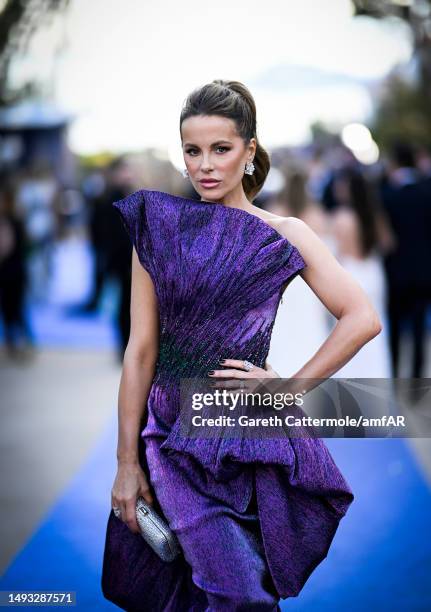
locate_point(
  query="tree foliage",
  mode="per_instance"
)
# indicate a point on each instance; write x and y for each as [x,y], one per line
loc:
[403,113]
[417,15]
[19,19]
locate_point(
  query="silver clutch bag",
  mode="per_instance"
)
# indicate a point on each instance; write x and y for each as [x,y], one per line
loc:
[156,532]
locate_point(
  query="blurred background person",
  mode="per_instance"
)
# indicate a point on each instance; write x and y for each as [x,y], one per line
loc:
[301,325]
[354,224]
[296,200]
[94,191]
[423,161]
[118,248]
[111,248]
[407,202]
[36,196]
[13,275]
[114,245]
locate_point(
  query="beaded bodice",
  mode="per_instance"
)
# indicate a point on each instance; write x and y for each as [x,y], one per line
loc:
[218,273]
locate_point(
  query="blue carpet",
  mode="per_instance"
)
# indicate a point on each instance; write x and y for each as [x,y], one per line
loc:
[381,555]
[65,552]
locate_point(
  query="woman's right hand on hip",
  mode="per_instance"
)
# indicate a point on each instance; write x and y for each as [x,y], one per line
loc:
[130,483]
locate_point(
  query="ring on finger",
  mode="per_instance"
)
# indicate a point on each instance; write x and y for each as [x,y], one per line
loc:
[247,365]
[117,511]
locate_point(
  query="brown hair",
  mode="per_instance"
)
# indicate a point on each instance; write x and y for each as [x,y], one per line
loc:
[365,204]
[233,100]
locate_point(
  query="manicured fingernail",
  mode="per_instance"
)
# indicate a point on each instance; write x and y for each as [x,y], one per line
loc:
[211,372]
[222,360]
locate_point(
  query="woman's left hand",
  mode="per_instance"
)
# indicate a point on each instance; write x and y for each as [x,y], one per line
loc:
[235,369]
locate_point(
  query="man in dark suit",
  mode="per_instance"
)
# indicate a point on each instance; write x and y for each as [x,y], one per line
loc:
[407,201]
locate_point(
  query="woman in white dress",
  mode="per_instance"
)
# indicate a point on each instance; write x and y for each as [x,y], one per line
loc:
[302,324]
[358,232]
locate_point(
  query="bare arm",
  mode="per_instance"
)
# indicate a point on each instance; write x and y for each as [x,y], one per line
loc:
[138,370]
[139,361]
[358,321]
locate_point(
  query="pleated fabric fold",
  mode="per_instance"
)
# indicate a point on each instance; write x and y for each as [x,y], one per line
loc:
[302,495]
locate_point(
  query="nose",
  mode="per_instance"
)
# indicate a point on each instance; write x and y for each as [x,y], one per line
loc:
[206,163]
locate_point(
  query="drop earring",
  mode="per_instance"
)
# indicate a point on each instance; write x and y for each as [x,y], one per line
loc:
[185,173]
[249,168]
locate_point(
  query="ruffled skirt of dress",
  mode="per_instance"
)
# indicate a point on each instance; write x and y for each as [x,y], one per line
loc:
[301,494]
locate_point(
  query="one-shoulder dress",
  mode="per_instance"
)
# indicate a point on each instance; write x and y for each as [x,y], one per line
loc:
[253,517]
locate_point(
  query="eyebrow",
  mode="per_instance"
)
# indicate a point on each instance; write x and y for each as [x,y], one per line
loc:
[189,144]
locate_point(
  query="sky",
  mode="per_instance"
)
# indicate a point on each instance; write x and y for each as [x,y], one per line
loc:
[123,68]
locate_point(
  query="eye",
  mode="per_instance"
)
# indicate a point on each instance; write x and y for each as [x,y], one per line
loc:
[225,148]
[190,151]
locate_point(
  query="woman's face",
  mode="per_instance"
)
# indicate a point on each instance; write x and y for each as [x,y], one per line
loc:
[213,150]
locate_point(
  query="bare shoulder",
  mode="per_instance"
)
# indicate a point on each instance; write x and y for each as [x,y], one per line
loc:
[294,229]
[300,234]
[288,227]
[305,239]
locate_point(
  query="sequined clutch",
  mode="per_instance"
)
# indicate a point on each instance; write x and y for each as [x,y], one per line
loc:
[156,532]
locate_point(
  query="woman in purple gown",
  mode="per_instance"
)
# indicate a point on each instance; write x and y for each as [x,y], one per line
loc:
[253,518]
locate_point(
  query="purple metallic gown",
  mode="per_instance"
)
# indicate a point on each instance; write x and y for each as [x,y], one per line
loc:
[254,517]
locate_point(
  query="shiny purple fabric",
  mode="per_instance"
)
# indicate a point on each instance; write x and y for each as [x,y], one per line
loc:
[273,505]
